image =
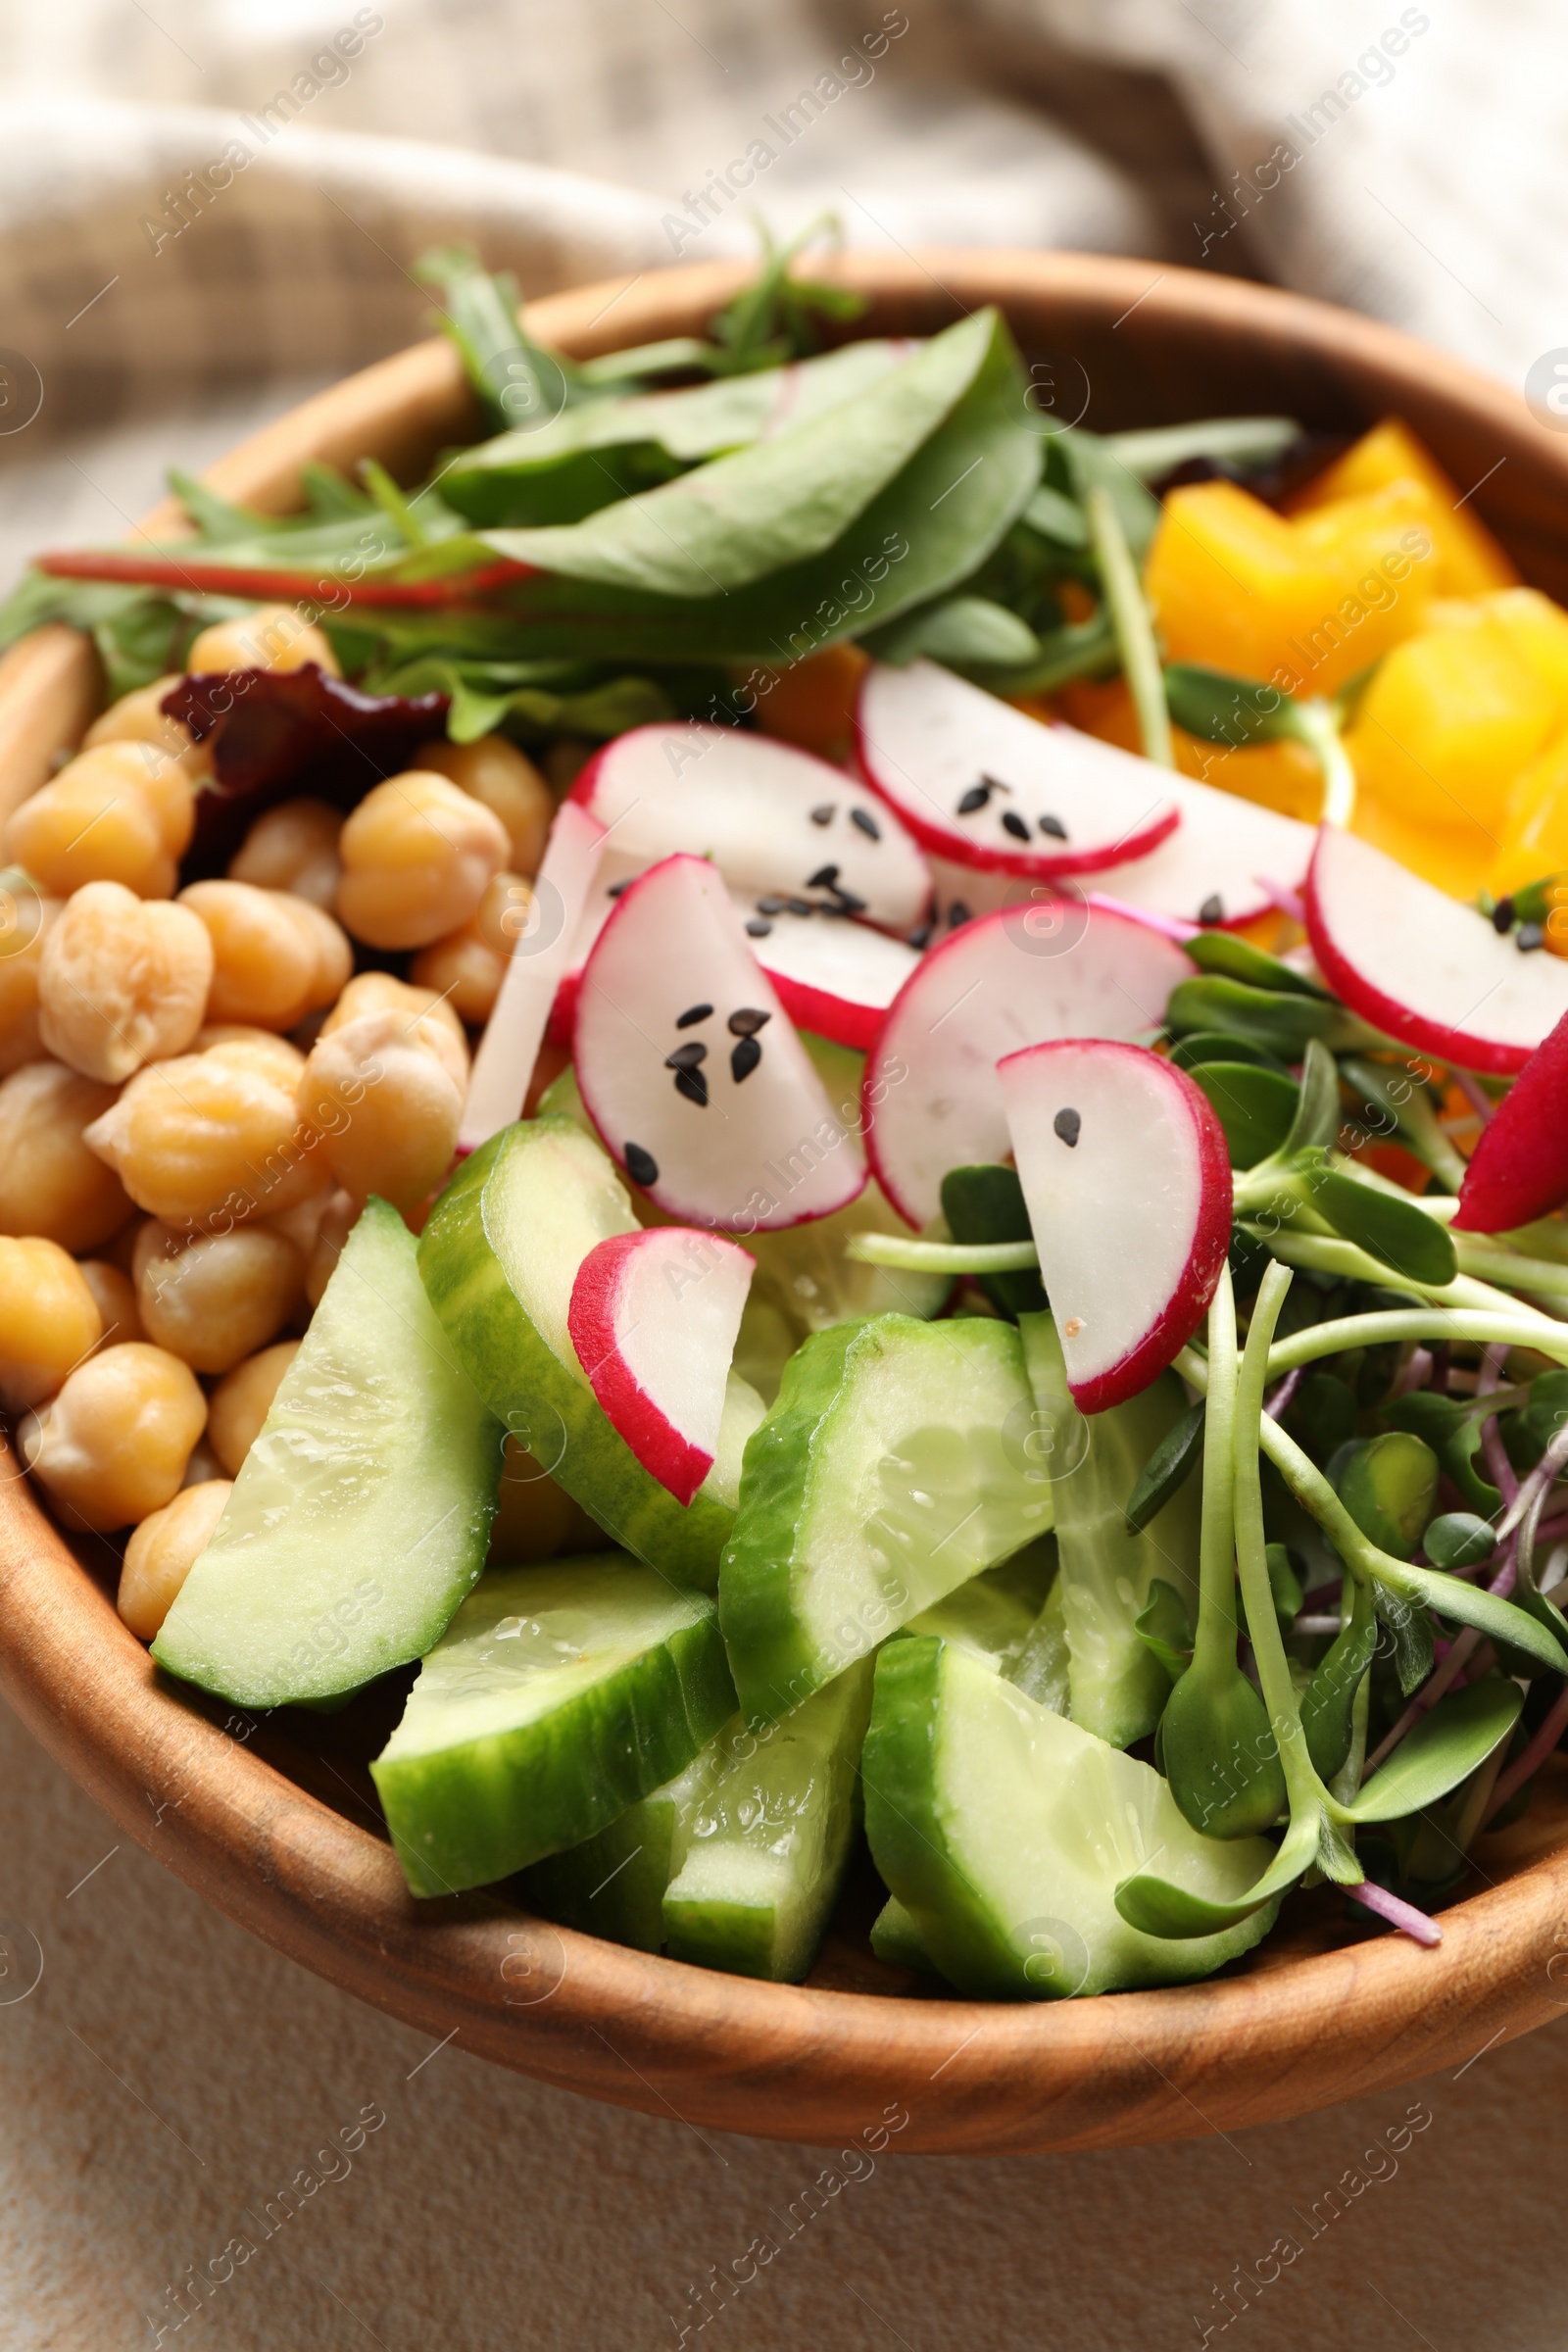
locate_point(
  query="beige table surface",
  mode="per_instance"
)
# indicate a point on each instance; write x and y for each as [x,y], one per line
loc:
[167,2074]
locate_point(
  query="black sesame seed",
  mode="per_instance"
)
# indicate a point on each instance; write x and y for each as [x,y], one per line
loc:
[694,1085]
[1054,827]
[848,903]
[757,929]
[744,1058]
[975,798]
[1527,936]
[1013,822]
[823,879]
[693,1015]
[800,907]
[867,823]
[1069,1126]
[1213,910]
[824,814]
[640,1166]
[615,888]
[1502,916]
[771,906]
[920,938]
[687,1057]
[957,913]
[747,1019]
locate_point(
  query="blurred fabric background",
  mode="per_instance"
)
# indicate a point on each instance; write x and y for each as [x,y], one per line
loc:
[166,2071]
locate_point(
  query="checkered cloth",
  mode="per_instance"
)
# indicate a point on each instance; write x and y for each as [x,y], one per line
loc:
[206,210]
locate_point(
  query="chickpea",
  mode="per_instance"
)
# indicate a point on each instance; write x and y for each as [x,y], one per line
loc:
[338,1220]
[386,1106]
[113,1443]
[277,1057]
[51,1180]
[272,637]
[242,1402]
[422,1010]
[163,1550]
[216,1299]
[293,848]
[139,718]
[114,1296]
[467,965]
[511,787]
[212,1138]
[417,855]
[110,816]
[25,921]
[123,980]
[49,1320]
[276,957]
[535,1518]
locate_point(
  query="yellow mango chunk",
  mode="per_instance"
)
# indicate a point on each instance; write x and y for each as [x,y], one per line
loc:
[1534,829]
[1454,857]
[1305,606]
[1538,630]
[1469,559]
[1447,725]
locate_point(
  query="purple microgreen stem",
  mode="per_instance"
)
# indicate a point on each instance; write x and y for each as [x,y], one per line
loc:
[1404,1916]
[1546,1734]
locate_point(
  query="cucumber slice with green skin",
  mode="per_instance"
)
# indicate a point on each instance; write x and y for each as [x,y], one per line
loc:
[896,1939]
[499,1257]
[995,1613]
[768,1846]
[361,1515]
[558,1696]
[895,1464]
[613,1884]
[1118,1686]
[1043,1668]
[1004,1829]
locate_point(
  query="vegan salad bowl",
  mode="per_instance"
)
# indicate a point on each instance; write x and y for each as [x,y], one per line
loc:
[782,1261]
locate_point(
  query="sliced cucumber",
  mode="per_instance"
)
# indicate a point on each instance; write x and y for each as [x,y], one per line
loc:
[994,1615]
[360,1514]
[1043,1665]
[1004,1829]
[613,1884]
[895,1464]
[1118,1686]
[558,1696]
[896,1939]
[499,1257]
[768,1846]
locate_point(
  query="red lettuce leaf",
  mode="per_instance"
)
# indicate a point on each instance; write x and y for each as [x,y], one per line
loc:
[285,734]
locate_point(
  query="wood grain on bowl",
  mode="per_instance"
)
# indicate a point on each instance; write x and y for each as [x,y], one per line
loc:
[272,1819]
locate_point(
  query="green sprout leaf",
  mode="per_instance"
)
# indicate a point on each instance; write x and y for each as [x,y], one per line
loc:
[1440,1751]
[1168,1467]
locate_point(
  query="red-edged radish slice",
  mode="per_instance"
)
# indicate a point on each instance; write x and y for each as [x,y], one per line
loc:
[988,787]
[1128,1186]
[834,977]
[772,818]
[932,1100]
[1221,868]
[540,956]
[1519,1169]
[691,1069]
[1423,968]
[653,1319]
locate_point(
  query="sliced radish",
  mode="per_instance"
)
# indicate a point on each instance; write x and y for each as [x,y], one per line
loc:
[1221,868]
[833,976]
[985,785]
[932,1100]
[1419,964]
[691,1069]
[653,1319]
[540,956]
[1519,1169]
[1128,1186]
[771,818]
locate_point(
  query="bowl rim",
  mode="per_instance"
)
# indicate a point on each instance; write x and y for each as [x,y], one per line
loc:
[715,2051]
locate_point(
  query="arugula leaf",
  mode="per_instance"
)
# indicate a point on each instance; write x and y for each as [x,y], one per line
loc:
[963,632]
[775,316]
[517,379]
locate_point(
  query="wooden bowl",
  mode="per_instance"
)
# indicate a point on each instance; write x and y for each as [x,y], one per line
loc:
[273,1819]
